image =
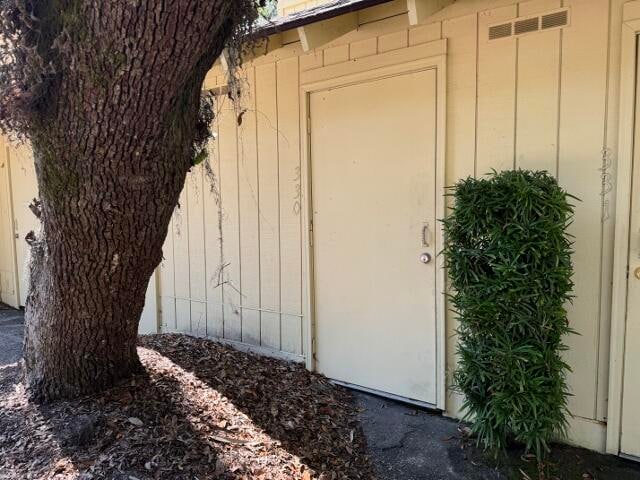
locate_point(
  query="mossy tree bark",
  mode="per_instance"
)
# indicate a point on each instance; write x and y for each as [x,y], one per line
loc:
[113,140]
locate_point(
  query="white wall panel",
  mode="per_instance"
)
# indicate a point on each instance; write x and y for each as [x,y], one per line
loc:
[229,191]
[213,239]
[197,244]
[497,68]
[249,215]
[582,130]
[8,273]
[290,181]
[538,93]
[269,182]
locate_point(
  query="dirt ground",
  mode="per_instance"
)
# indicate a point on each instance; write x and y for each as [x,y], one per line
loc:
[205,411]
[202,411]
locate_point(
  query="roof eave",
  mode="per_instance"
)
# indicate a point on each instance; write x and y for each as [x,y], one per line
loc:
[313,15]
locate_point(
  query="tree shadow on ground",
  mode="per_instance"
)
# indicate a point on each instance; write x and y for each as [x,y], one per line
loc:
[311,418]
[563,462]
[146,428]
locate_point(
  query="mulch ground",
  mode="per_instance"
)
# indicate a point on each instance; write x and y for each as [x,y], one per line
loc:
[202,411]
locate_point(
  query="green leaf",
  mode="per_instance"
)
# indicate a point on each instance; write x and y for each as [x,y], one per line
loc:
[200,157]
[508,258]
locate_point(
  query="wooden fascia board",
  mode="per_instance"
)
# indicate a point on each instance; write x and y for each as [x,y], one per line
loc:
[318,34]
[420,10]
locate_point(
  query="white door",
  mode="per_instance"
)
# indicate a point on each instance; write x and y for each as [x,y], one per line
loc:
[373,150]
[630,435]
[24,190]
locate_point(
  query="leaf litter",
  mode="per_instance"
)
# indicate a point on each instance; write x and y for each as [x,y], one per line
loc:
[202,411]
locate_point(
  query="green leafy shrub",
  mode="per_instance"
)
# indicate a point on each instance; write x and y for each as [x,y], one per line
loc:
[508,256]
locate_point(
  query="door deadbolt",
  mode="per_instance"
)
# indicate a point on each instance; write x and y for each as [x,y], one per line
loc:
[636,273]
[425,258]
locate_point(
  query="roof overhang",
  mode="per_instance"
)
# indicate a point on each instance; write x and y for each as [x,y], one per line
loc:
[318,26]
[313,15]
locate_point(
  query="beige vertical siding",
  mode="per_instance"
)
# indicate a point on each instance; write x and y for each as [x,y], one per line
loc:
[166,284]
[462,88]
[583,96]
[249,214]
[269,205]
[538,76]
[538,101]
[609,201]
[8,280]
[23,190]
[496,102]
[233,263]
[213,243]
[290,204]
[241,264]
[197,243]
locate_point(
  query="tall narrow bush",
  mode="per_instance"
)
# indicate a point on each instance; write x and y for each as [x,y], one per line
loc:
[508,256]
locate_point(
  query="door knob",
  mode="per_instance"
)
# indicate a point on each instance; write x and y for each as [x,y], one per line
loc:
[425,258]
[636,273]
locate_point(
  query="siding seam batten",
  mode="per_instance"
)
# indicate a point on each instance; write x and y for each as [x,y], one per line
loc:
[256,131]
[475,157]
[559,113]
[605,165]
[515,96]
[279,212]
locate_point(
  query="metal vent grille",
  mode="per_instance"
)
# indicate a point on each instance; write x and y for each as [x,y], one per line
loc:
[526,26]
[557,19]
[500,31]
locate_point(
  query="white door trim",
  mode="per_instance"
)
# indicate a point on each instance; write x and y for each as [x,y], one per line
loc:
[628,81]
[414,59]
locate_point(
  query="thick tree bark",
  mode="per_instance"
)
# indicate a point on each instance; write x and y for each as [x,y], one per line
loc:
[112,148]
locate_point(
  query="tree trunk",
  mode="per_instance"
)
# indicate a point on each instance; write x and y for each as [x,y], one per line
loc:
[113,140]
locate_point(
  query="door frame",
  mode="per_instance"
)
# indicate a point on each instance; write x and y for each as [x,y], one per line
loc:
[629,108]
[426,56]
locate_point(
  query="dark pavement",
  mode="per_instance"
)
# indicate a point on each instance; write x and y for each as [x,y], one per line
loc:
[11,327]
[413,444]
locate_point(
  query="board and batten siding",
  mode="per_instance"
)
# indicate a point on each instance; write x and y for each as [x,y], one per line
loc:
[537,101]
[8,266]
[234,258]
[232,264]
[18,188]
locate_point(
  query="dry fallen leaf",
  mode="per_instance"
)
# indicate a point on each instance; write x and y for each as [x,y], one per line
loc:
[233,441]
[136,421]
[208,409]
